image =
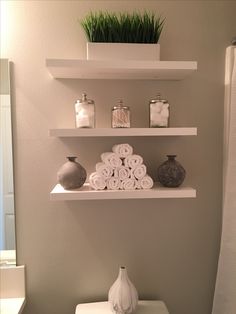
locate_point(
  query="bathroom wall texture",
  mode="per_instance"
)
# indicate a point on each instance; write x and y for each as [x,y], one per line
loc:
[72,250]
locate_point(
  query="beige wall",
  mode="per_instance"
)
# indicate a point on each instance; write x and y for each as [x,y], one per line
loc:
[72,250]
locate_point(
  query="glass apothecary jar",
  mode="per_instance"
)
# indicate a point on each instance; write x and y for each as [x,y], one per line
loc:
[85,112]
[159,112]
[120,116]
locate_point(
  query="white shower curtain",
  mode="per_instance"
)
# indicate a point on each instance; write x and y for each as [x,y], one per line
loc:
[225,291]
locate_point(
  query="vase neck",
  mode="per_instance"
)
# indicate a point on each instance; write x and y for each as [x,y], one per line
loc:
[122,272]
[171,157]
[71,158]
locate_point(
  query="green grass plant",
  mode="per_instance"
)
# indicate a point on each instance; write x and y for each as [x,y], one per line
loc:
[122,27]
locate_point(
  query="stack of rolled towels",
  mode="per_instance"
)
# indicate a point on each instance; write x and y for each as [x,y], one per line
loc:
[120,170]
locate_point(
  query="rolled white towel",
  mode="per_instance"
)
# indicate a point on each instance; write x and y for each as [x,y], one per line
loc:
[138,186]
[139,172]
[122,172]
[96,181]
[145,183]
[111,159]
[104,170]
[128,184]
[133,161]
[122,150]
[113,183]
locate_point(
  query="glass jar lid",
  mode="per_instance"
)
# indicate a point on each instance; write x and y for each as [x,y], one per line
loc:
[158,99]
[84,99]
[120,106]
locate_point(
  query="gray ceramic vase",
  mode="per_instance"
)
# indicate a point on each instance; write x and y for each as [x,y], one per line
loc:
[171,174]
[71,175]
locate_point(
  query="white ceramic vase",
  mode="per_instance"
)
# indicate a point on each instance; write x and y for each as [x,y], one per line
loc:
[123,296]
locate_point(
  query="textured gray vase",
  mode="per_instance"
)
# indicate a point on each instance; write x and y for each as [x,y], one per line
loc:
[171,174]
[71,175]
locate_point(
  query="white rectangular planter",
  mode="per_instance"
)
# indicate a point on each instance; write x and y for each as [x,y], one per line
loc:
[122,51]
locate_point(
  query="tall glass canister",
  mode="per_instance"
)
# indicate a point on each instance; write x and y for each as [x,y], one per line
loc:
[85,112]
[120,116]
[159,112]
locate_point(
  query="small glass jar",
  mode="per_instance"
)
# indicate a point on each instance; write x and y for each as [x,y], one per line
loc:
[159,113]
[120,117]
[85,112]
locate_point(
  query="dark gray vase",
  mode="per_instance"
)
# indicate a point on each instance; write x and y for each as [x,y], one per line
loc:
[171,174]
[71,175]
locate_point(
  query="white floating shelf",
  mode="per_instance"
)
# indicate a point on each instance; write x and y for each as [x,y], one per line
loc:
[120,69]
[108,132]
[87,193]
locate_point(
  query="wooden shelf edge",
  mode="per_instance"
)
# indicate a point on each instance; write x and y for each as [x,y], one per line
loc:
[86,193]
[108,132]
[120,69]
